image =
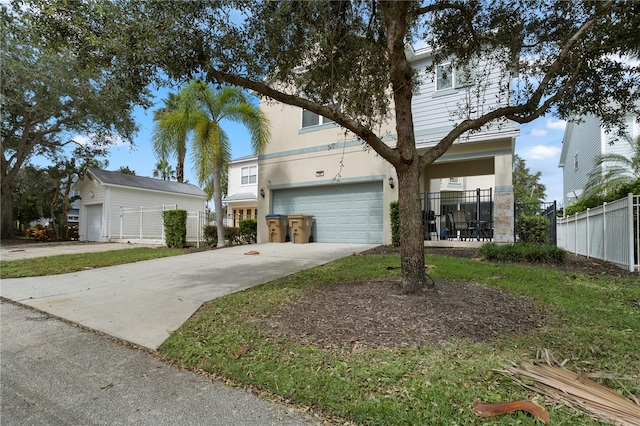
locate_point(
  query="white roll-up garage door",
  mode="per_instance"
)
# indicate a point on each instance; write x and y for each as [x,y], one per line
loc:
[342,213]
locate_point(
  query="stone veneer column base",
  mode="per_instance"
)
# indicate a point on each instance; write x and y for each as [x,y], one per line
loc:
[503,214]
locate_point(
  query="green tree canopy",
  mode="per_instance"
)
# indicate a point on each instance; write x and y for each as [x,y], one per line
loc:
[125,170]
[52,93]
[351,54]
[527,187]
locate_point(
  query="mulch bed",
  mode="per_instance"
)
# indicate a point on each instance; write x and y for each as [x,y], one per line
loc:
[378,314]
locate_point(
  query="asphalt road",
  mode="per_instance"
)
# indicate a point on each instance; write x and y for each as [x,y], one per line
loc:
[54,373]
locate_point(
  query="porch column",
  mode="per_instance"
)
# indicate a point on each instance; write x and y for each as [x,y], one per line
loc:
[503,212]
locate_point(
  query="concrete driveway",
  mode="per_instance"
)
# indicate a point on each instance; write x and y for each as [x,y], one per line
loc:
[144,302]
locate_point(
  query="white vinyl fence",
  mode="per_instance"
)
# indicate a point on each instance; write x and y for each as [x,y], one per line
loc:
[610,232]
[145,225]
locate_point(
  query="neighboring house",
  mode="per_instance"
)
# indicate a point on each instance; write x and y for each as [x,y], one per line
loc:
[312,167]
[242,198]
[110,199]
[583,141]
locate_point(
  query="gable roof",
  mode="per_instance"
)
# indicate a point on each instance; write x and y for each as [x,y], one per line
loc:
[146,183]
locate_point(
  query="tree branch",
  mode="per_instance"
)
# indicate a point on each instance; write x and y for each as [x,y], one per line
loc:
[468,17]
[348,123]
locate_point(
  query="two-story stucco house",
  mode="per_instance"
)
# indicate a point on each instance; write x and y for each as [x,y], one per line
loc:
[583,141]
[242,190]
[312,166]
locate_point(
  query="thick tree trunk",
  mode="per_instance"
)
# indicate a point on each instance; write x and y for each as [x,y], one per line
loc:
[217,200]
[411,232]
[6,212]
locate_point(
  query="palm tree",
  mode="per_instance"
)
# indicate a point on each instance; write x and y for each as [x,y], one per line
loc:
[170,135]
[200,112]
[164,170]
[614,170]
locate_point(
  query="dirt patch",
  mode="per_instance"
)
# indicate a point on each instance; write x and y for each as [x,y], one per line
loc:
[377,314]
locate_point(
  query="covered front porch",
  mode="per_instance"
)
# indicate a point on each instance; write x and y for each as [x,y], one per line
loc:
[467,197]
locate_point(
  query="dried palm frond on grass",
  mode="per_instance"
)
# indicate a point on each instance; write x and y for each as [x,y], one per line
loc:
[577,391]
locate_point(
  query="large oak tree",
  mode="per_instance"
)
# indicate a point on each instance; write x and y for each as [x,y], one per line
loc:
[561,57]
[52,92]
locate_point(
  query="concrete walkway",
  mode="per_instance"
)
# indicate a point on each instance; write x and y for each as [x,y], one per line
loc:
[144,302]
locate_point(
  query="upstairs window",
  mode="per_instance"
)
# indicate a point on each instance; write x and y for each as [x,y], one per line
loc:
[249,175]
[312,119]
[444,76]
[448,77]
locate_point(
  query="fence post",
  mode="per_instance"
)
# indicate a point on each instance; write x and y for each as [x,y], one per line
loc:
[588,236]
[477,218]
[575,232]
[604,231]
[631,245]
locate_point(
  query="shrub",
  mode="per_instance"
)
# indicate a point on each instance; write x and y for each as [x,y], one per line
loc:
[394,215]
[594,200]
[249,230]
[232,235]
[532,229]
[175,228]
[523,252]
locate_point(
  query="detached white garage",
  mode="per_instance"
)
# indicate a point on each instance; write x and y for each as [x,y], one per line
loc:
[120,207]
[343,213]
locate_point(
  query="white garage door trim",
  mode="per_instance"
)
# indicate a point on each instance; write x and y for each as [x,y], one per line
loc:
[94,222]
[349,213]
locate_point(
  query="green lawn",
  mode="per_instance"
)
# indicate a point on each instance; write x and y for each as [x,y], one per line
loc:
[66,263]
[594,322]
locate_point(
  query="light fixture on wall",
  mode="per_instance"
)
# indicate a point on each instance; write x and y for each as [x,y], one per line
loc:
[262,192]
[91,194]
[391,182]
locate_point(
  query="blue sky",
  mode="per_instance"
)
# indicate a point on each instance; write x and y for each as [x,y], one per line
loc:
[540,144]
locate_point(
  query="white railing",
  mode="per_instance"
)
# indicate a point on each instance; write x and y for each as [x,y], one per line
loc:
[610,232]
[145,225]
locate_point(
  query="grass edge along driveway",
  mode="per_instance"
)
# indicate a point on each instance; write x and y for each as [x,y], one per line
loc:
[66,263]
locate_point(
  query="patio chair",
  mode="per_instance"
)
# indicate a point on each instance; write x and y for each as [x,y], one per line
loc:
[461,225]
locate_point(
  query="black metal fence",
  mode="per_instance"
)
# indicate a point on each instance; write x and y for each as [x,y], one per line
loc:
[464,215]
[545,209]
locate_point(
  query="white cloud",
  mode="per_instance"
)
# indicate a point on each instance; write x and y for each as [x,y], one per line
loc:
[556,124]
[81,140]
[87,140]
[538,132]
[542,152]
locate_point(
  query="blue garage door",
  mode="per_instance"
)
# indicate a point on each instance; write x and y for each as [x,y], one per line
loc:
[349,213]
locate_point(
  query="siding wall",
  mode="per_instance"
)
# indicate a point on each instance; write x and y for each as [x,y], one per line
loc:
[134,202]
[235,178]
[613,144]
[436,113]
[585,141]
[589,140]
